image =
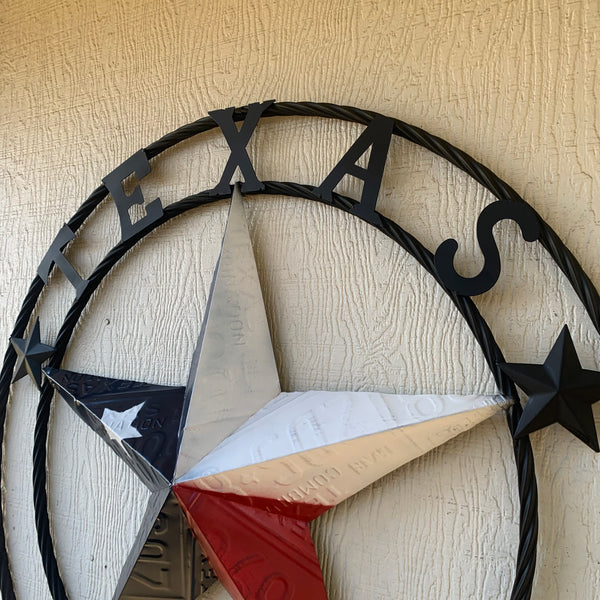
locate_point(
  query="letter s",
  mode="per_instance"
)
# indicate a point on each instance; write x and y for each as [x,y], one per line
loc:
[528,221]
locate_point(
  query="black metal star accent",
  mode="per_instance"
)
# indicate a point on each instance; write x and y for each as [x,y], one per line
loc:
[559,391]
[32,353]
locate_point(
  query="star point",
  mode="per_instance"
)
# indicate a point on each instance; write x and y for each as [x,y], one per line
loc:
[31,354]
[559,391]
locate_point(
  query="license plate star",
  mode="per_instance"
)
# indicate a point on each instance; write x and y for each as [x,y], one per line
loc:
[249,464]
[120,424]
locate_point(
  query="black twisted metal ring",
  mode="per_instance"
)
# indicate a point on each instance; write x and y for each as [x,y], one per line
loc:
[523,454]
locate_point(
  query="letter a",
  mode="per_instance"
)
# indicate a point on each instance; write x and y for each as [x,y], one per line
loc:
[376,136]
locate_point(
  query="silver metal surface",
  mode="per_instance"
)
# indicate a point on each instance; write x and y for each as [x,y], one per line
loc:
[155,504]
[233,373]
[171,565]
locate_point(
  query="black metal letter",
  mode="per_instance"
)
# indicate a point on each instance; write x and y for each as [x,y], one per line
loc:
[54,256]
[238,140]
[528,221]
[137,165]
[376,136]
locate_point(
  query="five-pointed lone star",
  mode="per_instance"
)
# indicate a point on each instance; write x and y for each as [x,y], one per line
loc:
[251,465]
[32,353]
[559,391]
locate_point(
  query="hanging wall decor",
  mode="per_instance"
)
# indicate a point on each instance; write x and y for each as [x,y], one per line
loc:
[227,467]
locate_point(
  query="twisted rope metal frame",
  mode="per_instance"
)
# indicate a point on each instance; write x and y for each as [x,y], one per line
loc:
[526,555]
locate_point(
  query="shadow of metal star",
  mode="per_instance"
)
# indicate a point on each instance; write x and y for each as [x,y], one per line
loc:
[32,353]
[559,391]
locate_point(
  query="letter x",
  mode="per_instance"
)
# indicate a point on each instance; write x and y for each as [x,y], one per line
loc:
[238,140]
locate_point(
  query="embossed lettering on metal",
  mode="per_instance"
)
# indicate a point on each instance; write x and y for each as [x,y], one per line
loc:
[234,372]
[170,565]
[254,465]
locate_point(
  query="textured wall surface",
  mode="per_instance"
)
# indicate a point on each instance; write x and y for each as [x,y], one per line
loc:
[84,84]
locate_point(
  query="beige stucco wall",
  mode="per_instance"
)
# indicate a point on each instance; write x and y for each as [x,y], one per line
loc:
[516,84]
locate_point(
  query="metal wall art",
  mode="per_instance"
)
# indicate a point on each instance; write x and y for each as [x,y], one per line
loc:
[223,456]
